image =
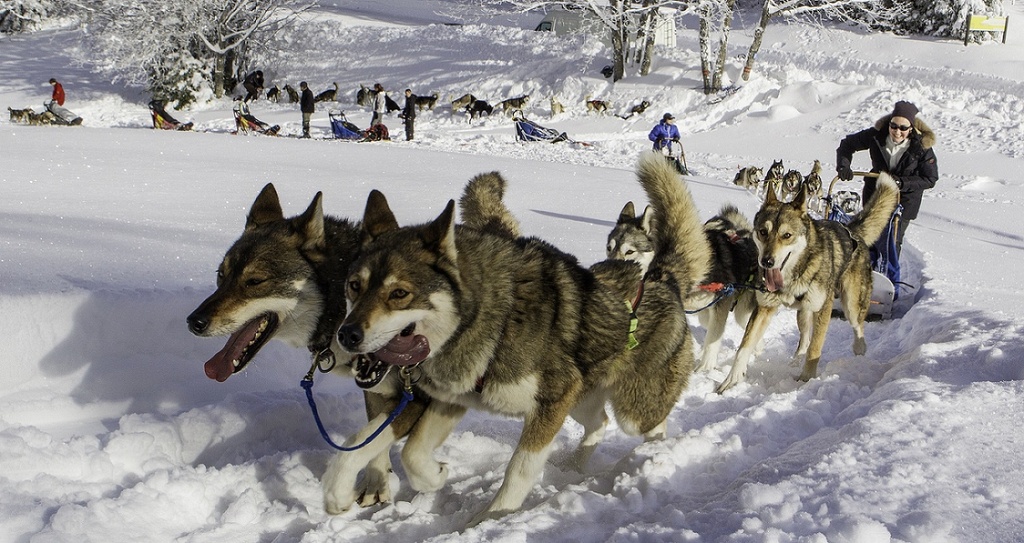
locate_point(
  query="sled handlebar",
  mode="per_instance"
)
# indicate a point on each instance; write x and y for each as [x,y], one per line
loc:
[855,174]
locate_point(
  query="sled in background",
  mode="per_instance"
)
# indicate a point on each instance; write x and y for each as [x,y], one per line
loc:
[529,131]
[163,120]
[247,124]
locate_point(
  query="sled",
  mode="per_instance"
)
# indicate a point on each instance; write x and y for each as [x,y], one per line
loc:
[252,125]
[62,115]
[842,206]
[676,157]
[163,120]
[342,128]
[529,131]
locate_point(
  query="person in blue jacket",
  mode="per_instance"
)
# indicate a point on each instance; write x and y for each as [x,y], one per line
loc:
[664,132]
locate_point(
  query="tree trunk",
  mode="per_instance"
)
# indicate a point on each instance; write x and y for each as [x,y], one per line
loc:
[723,46]
[219,66]
[618,40]
[755,45]
[704,35]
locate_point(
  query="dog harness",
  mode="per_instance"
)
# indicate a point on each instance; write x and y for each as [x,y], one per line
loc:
[634,321]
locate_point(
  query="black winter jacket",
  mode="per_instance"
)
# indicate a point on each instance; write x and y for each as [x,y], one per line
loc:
[307,102]
[916,169]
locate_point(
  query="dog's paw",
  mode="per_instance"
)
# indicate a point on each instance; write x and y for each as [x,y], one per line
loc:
[730,381]
[486,514]
[428,477]
[336,503]
[860,346]
[375,488]
[339,487]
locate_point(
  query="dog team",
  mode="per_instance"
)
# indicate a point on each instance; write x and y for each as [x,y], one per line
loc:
[477,315]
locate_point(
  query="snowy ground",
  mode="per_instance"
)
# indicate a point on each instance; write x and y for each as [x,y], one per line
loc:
[110,234]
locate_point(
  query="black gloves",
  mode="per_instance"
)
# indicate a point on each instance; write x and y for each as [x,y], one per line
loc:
[675,140]
[844,173]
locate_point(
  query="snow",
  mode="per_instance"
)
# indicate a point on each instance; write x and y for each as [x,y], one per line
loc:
[110,234]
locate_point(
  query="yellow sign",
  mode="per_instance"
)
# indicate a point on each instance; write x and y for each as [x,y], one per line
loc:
[992,24]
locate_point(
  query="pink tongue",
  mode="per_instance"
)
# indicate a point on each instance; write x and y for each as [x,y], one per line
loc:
[773,279]
[405,350]
[221,366]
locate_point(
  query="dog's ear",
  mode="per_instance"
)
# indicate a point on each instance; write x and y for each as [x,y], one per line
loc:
[266,208]
[647,220]
[378,217]
[769,195]
[311,226]
[627,214]
[440,234]
[800,200]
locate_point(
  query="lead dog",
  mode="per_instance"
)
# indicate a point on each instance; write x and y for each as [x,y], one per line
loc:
[517,327]
[284,279]
[805,263]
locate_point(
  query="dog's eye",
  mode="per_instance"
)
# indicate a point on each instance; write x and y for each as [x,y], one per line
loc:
[763,232]
[398,294]
[787,235]
[254,281]
[354,287]
[630,252]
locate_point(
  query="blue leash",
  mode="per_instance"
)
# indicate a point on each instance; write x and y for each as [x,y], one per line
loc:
[307,384]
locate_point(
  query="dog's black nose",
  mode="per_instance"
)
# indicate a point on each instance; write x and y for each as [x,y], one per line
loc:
[197,324]
[350,336]
[768,262]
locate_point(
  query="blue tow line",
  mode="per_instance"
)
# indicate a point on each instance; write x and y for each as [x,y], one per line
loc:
[307,384]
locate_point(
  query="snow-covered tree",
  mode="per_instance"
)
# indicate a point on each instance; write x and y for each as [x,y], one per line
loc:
[184,51]
[19,15]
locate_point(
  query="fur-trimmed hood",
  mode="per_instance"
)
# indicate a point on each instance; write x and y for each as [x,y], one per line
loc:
[923,131]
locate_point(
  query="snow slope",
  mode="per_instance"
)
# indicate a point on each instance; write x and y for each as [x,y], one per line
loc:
[110,235]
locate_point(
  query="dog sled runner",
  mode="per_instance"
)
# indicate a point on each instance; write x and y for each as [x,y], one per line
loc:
[163,120]
[247,124]
[529,131]
[674,153]
[842,206]
[62,115]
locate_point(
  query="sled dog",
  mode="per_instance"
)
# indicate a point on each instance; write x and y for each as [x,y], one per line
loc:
[20,115]
[293,95]
[733,265]
[556,107]
[284,279]
[478,108]
[517,327]
[805,263]
[329,95]
[773,177]
[463,102]
[748,177]
[792,183]
[597,106]
[511,104]
[274,94]
[426,101]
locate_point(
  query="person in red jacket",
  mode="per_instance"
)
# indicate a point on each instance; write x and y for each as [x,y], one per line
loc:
[58,92]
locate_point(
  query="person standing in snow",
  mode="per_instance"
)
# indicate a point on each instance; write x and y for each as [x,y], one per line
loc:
[307,105]
[253,84]
[58,92]
[664,132]
[379,104]
[409,113]
[900,144]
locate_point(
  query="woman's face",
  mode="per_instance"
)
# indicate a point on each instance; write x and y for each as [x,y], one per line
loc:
[899,129]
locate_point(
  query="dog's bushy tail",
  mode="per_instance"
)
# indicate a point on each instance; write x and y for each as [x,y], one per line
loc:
[730,218]
[483,206]
[871,222]
[680,245]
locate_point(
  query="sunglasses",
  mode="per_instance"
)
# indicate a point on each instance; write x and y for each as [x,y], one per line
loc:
[894,126]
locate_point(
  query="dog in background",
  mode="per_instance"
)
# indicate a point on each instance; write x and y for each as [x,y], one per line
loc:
[813,185]
[463,102]
[364,96]
[805,263]
[792,183]
[274,94]
[21,115]
[426,102]
[566,352]
[478,108]
[329,95]
[293,95]
[637,109]
[511,104]
[748,177]
[556,107]
[597,106]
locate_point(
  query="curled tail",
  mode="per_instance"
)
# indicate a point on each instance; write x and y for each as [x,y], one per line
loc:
[483,207]
[680,245]
[871,222]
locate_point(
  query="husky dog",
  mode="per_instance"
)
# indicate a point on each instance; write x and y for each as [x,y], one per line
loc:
[478,108]
[597,106]
[773,177]
[733,265]
[293,95]
[426,102]
[274,94]
[813,187]
[364,96]
[638,109]
[511,104]
[792,183]
[329,95]
[463,102]
[748,177]
[556,107]
[20,115]
[805,264]
[284,279]
[517,327]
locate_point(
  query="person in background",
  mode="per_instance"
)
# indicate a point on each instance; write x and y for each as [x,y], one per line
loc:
[664,132]
[307,105]
[901,144]
[379,104]
[58,92]
[409,113]
[253,84]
